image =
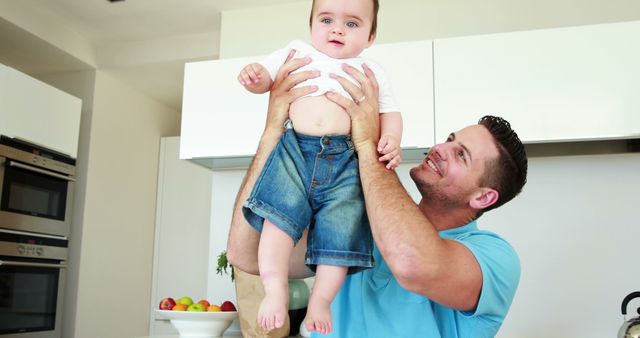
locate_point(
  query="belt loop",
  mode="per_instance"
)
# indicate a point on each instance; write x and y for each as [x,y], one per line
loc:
[349,142]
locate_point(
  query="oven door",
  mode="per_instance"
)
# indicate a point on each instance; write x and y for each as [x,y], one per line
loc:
[31,298]
[34,199]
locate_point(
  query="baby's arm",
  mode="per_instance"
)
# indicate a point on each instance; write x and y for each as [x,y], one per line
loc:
[390,137]
[255,78]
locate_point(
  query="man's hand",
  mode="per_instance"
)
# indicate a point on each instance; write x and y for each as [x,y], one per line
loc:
[363,108]
[282,92]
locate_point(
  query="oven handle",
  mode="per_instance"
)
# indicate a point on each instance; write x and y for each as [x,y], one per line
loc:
[37,265]
[41,171]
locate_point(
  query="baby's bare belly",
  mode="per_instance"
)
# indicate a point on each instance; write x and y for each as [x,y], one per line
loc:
[317,116]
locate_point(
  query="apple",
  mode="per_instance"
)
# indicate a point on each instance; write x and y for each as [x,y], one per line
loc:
[185,301]
[228,306]
[196,307]
[167,303]
[205,303]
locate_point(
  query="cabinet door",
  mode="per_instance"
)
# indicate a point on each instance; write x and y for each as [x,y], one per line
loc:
[221,119]
[35,111]
[409,67]
[578,83]
[181,260]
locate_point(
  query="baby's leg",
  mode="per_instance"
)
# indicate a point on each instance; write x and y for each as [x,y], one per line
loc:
[273,260]
[328,281]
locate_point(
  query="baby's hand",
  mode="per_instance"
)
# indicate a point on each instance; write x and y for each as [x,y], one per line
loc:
[251,75]
[389,148]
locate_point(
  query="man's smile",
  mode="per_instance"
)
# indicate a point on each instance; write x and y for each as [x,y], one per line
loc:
[433,166]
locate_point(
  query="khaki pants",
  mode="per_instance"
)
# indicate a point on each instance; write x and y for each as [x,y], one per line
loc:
[249,293]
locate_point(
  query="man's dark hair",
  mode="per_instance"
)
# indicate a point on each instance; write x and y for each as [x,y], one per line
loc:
[508,173]
[374,22]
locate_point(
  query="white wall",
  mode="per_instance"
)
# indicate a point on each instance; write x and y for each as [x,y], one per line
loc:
[573,226]
[257,31]
[575,229]
[113,257]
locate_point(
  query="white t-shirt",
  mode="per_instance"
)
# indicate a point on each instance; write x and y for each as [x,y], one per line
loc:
[326,65]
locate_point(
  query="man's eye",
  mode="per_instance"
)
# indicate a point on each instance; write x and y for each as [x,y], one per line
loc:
[352,24]
[461,155]
[326,21]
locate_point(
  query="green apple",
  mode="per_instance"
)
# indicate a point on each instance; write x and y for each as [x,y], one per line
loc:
[196,307]
[185,301]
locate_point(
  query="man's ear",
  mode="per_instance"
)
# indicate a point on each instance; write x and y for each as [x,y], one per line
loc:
[484,198]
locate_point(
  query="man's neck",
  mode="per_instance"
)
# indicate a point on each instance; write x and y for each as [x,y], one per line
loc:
[443,219]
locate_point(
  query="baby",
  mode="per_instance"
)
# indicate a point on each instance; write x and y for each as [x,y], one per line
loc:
[311,178]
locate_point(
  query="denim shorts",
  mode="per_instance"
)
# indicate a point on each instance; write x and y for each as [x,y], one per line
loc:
[313,182]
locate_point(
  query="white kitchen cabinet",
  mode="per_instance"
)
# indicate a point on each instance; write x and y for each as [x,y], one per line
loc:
[35,111]
[219,117]
[222,122]
[409,66]
[565,84]
[181,260]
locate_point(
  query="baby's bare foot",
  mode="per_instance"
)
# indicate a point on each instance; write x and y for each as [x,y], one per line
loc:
[318,316]
[273,309]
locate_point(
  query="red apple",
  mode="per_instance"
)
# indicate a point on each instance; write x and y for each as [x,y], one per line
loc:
[228,306]
[167,303]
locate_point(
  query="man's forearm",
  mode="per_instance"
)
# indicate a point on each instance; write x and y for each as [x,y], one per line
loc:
[397,225]
[242,244]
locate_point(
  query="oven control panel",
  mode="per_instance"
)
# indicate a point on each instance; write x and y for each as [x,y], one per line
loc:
[14,244]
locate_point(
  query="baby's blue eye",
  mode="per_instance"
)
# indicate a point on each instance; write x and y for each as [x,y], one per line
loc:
[326,21]
[352,24]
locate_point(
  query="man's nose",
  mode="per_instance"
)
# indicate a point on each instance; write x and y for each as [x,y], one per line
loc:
[440,151]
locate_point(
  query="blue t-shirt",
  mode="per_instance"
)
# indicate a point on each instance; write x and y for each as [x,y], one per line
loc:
[372,304]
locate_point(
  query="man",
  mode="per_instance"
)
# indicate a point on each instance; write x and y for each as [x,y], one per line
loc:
[436,274]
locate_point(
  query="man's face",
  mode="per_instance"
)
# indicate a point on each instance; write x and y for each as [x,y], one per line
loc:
[340,28]
[450,173]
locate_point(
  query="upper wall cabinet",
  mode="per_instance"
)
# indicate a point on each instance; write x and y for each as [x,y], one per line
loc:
[35,111]
[409,67]
[578,83]
[220,119]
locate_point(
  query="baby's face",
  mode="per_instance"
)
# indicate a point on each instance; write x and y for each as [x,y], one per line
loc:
[340,28]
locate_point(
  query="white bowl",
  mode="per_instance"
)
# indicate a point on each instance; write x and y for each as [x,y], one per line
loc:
[199,324]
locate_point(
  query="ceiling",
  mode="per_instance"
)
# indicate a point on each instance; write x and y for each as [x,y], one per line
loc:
[172,31]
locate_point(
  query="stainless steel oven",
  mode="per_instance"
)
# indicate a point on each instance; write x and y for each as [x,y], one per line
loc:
[32,277]
[36,188]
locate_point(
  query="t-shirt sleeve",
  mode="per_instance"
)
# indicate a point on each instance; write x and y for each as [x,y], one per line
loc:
[386,100]
[500,267]
[273,61]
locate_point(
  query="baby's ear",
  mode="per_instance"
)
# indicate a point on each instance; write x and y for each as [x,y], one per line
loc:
[372,37]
